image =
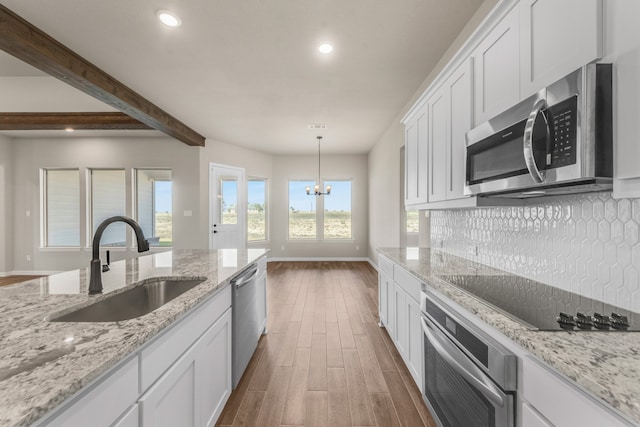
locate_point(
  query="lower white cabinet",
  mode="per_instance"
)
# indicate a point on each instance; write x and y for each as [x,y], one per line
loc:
[261,285]
[193,391]
[531,417]
[130,419]
[400,314]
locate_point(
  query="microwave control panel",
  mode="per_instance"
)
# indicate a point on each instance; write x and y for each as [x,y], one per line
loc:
[562,119]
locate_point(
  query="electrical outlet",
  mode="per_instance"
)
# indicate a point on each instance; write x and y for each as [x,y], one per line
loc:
[282,248]
[357,248]
[28,213]
[472,250]
[28,258]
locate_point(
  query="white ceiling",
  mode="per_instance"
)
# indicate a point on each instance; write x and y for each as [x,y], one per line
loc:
[248,72]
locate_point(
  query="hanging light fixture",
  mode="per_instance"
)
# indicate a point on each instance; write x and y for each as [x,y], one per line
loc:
[316,188]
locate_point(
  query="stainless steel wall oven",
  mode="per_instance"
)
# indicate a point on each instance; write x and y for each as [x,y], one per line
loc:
[469,379]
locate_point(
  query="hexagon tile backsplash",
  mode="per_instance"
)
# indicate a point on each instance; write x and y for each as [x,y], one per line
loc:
[586,244]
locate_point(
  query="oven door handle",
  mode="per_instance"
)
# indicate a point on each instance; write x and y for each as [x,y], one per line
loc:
[527,140]
[461,363]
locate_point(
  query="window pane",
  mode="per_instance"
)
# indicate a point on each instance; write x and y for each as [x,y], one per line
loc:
[302,211]
[337,211]
[63,207]
[153,197]
[228,201]
[413,222]
[107,200]
[257,210]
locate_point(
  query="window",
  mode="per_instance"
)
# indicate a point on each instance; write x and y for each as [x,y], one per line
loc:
[256,210]
[302,211]
[153,203]
[108,198]
[228,200]
[61,204]
[337,211]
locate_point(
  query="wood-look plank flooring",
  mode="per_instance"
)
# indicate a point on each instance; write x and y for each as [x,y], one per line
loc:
[324,360]
[10,280]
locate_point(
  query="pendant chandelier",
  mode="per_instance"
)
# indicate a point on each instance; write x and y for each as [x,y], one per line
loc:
[316,188]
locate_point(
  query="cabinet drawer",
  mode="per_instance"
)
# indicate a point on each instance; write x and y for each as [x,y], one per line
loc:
[408,282]
[385,265]
[531,417]
[544,389]
[160,354]
[103,404]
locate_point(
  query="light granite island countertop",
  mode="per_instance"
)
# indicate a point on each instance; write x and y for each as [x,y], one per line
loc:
[43,363]
[605,364]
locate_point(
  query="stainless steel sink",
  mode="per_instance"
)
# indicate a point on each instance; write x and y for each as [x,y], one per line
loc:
[132,303]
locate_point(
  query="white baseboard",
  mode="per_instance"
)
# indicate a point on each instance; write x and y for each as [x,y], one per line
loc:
[281,259]
[372,264]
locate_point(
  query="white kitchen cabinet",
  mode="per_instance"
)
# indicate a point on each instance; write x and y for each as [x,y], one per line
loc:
[194,390]
[531,417]
[543,389]
[104,402]
[438,110]
[383,300]
[130,419]
[414,349]
[214,369]
[261,288]
[459,89]
[497,68]
[416,178]
[622,48]
[557,38]
[401,338]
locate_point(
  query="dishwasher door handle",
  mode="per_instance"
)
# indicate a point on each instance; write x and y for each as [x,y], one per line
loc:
[241,281]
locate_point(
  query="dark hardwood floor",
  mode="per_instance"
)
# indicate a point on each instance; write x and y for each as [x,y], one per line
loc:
[325,361]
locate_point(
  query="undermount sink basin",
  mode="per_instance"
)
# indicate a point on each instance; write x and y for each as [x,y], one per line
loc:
[132,303]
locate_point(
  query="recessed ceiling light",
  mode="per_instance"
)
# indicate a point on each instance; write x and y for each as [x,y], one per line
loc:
[169,19]
[69,129]
[325,48]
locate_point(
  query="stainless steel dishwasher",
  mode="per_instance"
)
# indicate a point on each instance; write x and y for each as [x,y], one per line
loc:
[246,323]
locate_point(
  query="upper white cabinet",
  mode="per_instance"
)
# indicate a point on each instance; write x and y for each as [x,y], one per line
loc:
[459,88]
[416,179]
[438,107]
[622,48]
[556,38]
[497,68]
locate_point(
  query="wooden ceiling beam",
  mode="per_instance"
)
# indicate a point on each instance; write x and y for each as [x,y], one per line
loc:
[28,43]
[77,121]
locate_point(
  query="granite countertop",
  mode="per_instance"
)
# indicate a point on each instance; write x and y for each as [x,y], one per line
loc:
[605,364]
[44,363]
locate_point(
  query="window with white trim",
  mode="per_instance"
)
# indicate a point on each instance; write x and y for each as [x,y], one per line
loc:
[257,210]
[154,205]
[61,207]
[302,211]
[107,199]
[337,211]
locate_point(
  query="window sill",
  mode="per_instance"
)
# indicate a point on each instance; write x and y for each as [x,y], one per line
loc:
[60,249]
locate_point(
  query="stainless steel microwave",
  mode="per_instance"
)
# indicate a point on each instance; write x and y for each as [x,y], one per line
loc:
[558,141]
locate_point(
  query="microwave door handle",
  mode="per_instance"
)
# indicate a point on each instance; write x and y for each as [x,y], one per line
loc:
[461,363]
[527,140]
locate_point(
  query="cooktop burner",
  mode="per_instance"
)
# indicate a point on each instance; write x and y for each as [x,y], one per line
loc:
[544,307]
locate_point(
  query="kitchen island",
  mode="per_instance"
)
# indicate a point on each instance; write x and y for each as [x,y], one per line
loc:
[605,364]
[44,363]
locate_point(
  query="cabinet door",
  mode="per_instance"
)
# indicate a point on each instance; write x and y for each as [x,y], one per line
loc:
[460,93]
[172,400]
[391,309]
[383,300]
[556,38]
[213,369]
[497,69]
[130,419]
[413,356]
[415,152]
[401,327]
[531,417]
[438,107]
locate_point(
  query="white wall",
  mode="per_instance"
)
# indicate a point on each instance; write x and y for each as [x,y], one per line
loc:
[334,167]
[6,199]
[29,155]
[385,200]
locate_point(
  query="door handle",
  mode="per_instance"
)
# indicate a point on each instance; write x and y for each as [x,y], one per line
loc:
[527,140]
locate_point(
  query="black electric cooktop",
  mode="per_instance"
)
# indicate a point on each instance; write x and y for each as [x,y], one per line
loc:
[544,307]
